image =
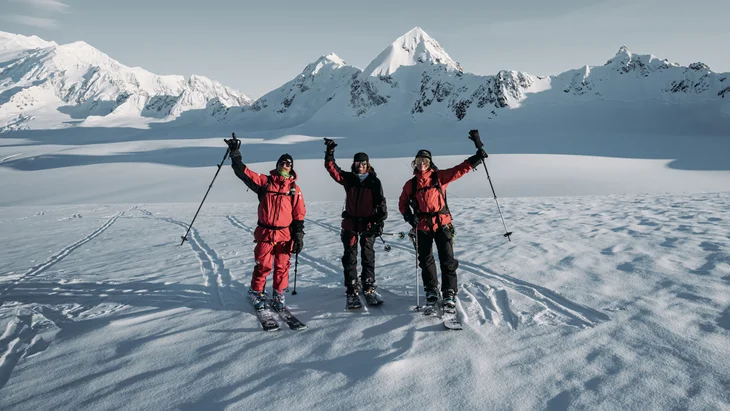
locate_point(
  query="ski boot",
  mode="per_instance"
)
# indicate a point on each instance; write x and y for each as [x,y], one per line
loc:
[449,300]
[258,299]
[432,297]
[279,301]
[372,297]
[353,301]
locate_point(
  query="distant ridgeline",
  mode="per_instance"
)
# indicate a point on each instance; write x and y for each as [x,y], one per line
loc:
[44,85]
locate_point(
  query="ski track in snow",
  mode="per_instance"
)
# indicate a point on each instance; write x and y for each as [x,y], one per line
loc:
[34,326]
[60,255]
[223,291]
[576,314]
[216,278]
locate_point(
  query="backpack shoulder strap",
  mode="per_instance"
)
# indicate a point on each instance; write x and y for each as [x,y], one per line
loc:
[264,188]
[436,183]
[412,197]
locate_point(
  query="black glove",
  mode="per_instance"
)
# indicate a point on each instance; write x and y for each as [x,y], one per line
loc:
[234,145]
[474,136]
[376,228]
[410,219]
[330,146]
[297,235]
[477,158]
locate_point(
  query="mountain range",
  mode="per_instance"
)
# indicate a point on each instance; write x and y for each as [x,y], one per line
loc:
[413,81]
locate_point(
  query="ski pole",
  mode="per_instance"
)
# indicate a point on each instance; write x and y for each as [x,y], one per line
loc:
[387,246]
[474,136]
[228,150]
[296,264]
[399,235]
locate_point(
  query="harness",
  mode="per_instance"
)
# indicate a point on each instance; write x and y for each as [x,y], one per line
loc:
[413,202]
[264,190]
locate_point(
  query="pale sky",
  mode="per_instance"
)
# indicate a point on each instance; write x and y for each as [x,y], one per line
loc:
[256,46]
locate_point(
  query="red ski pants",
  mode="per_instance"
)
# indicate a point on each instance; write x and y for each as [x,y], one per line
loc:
[266,254]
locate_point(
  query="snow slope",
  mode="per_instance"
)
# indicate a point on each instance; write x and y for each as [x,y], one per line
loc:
[44,85]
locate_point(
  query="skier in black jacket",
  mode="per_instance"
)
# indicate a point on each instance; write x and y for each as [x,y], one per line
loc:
[364,216]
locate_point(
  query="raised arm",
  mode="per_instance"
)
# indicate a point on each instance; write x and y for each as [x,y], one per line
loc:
[329,161]
[253,180]
[454,173]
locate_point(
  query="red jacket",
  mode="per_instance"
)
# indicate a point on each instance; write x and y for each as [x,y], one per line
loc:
[278,206]
[429,199]
[364,201]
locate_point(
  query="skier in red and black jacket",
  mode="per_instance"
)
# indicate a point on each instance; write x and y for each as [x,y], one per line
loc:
[280,226]
[423,205]
[364,216]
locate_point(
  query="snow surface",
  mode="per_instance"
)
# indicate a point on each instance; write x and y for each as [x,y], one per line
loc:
[611,302]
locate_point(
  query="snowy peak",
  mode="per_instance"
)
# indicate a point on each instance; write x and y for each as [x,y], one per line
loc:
[413,48]
[625,61]
[325,63]
[43,80]
[10,41]
[299,99]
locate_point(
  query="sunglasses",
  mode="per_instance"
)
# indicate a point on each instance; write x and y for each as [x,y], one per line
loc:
[361,163]
[422,160]
[286,163]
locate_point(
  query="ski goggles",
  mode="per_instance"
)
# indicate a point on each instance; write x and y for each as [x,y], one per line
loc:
[422,160]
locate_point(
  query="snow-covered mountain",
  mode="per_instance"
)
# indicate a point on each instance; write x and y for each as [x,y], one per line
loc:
[413,81]
[299,99]
[47,85]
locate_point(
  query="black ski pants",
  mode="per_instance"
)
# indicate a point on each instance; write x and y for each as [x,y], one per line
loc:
[349,260]
[443,239]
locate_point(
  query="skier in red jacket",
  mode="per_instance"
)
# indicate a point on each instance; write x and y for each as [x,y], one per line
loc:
[280,226]
[423,205]
[363,217]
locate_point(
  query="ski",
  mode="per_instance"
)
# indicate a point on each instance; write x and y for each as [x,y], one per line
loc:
[450,319]
[292,321]
[267,320]
[265,317]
